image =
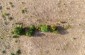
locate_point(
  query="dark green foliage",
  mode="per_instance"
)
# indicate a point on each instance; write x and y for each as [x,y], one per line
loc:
[18,30]
[31,30]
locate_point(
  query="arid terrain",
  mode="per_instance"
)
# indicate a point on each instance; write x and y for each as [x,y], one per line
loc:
[67,13]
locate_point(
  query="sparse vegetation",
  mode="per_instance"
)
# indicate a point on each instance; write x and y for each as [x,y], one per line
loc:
[4,15]
[44,28]
[10,18]
[7,15]
[53,28]
[18,30]
[18,52]
[1,38]
[30,31]
[24,10]
[15,36]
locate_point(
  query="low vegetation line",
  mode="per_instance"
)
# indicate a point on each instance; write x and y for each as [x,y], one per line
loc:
[30,30]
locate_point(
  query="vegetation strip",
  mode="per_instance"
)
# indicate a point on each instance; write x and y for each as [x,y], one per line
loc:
[30,31]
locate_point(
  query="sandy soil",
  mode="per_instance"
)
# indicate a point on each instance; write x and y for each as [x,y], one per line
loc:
[48,12]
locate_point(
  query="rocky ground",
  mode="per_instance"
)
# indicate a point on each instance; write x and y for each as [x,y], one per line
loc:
[59,12]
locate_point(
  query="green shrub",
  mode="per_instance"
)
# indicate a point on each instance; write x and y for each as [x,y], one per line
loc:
[53,28]
[44,28]
[18,30]
[31,30]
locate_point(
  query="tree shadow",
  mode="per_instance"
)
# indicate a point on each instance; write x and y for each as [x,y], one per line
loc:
[61,30]
[39,34]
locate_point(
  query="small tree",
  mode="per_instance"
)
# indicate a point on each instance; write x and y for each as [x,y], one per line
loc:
[44,28]
[31,30]
[18,30]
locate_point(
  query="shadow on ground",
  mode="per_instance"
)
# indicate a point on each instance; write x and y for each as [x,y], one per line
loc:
[39,34]
[62,30]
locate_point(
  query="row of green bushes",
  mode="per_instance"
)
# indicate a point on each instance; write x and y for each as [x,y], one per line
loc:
[30,31]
